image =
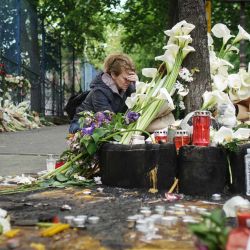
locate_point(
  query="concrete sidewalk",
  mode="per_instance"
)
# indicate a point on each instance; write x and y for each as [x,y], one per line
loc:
[26,151]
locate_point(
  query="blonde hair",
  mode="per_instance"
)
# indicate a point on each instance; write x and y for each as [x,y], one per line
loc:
[117,62]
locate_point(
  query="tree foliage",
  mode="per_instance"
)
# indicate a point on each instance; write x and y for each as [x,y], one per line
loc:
[78,23]
[144,23]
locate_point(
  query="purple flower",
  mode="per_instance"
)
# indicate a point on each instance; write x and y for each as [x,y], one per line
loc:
[100,118]
[131,116]
[108,115]
[88,130]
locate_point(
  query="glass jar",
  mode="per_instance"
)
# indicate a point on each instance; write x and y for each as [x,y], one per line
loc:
[181,138]
[161,136]
[137,139]
[171,133]
[201,128]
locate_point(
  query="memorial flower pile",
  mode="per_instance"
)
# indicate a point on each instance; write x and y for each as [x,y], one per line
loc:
[18,117]
[228,85]
[149,100]
[11,84]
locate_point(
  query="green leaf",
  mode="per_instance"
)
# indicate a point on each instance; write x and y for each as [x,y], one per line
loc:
[46,183]
[96,137]
[91,148]
[217,217]
[61,177]
[101,132]
[117,137]
[58,184]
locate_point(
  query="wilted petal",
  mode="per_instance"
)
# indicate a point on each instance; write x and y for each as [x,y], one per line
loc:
[242,35]
[220,82]
[220,30]
[149,72]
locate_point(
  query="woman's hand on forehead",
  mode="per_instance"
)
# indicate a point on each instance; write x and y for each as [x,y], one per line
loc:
[132,76]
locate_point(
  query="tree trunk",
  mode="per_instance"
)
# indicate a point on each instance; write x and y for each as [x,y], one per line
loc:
[193,11]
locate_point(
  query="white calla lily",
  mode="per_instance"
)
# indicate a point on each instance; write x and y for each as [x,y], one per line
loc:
[131,101]
[172,49]
[164,95]
[242,134]
[244,93]
[187,28]
[181,28]
[232,48]
[141,87]
[245,78]
[220,82]
[234,81]
[233,94]
[220,30]
[149,72]
[223,135]
[168,58]
[211,98]
[242,35]
[186,50]
[141,97]
[183,40]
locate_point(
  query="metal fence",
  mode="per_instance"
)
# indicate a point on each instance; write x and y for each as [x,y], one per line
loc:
[28,50]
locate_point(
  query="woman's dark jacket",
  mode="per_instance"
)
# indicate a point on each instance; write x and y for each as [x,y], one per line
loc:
[100,98]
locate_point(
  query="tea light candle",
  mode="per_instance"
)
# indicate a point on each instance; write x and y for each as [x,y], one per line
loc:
[93,219]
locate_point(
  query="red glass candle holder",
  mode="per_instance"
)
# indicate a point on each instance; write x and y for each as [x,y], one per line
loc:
[243,215]
[161,136]
[201,128]
[181,138]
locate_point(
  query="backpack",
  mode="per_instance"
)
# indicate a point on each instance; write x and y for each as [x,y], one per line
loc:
[75,101]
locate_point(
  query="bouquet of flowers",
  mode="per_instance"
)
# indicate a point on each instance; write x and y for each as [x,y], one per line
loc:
[153,98]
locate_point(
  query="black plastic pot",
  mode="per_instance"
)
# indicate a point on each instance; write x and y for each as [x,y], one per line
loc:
[202,170]
[238,169]
[128,166]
